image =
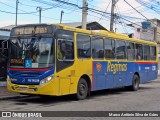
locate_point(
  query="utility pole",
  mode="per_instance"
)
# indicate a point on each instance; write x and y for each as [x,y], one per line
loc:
[16,11]
[112,15]
[40,10]
[62,12]
[84,14]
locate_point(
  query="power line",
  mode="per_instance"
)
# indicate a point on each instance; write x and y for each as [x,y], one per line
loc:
[139,12]
[32,6]
[73,5]
[105,10]
[118,12]
[32,13]
[68,3]
[24,12]
[152,6]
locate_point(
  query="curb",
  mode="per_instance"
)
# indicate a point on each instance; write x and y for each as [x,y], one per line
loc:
[3,84]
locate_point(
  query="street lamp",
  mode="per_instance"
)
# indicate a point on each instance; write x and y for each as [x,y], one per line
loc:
[40,10]
[62,12]
[16,11]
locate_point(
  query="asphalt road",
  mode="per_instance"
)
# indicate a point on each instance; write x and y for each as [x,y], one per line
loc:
[147,98]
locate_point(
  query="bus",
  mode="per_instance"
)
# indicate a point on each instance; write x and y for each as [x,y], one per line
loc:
[55,60]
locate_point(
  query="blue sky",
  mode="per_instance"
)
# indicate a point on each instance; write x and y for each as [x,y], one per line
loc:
[71,14]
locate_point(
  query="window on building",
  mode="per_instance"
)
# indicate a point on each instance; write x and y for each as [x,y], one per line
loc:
[130,50]
[146,49]
[139,52]
[97,48]
[120,49]
[83,46]
[153,52]
[109,49]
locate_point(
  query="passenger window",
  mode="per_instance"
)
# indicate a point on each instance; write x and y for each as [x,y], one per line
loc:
[139,52]
[130,51]
[83,46]
[146,50]
[153,52]
[120,50]
[109,49]
[65,45]
[97,48]
[65,49]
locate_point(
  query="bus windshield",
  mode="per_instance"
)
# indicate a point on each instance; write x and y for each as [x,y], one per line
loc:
[31,52]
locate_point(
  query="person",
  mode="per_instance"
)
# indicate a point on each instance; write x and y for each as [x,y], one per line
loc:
[108,54]
[101,55]
[60,56]
[94,54]
[138,57]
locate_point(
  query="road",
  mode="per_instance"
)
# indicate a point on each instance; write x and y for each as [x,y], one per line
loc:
[147,98]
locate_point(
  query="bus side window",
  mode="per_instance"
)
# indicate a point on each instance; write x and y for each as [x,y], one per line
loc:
[146,50]
[139,52]
[83,46]
[109,49]
[120,49]
[153,52]
[130,50]
[97,48]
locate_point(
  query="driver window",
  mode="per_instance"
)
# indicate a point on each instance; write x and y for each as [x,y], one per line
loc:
[65,49]
[65,45]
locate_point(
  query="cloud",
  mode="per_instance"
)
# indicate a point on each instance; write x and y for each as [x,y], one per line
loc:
[121,3]
[4,0]
[125,10]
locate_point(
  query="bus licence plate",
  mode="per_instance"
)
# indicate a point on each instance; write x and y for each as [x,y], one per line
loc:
[23,88]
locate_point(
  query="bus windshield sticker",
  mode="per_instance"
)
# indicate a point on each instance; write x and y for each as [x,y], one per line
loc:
[28,63]
[34,65]
[17,62]
[98,67]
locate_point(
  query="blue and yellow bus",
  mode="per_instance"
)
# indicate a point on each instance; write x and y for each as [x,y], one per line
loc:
[59,60]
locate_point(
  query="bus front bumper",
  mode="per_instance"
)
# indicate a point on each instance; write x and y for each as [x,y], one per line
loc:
[49,88]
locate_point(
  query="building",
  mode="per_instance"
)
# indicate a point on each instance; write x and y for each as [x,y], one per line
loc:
[148,30]
[90,25]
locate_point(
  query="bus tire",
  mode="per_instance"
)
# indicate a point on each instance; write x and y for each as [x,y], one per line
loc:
[135,83]
[82,89]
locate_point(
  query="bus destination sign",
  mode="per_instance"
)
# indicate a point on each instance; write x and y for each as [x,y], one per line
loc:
[31,30]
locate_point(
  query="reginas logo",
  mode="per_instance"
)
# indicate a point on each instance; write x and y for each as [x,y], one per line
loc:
[116,67]
[98,67]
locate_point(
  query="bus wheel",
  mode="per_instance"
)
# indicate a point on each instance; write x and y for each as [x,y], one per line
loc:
[82,89]
[135,83]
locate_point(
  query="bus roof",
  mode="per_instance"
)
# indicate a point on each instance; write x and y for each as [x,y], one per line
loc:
[106,34]
[95,32]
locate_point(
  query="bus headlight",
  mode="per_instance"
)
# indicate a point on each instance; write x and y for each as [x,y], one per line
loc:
[46,80]
[8,79]
[11,79]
